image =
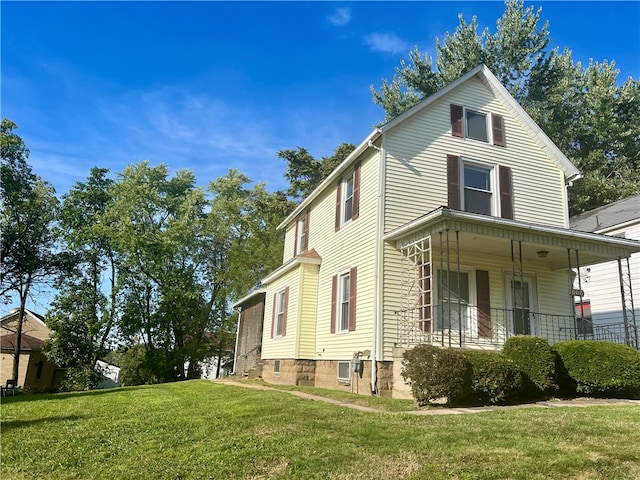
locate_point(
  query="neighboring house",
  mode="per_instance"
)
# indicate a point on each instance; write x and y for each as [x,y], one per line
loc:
[448,225]
[603,284]
[36,373]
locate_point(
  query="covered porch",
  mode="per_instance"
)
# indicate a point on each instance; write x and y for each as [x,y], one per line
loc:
[473,281]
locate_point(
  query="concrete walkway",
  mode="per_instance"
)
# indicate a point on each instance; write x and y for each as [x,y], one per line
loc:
[577,402]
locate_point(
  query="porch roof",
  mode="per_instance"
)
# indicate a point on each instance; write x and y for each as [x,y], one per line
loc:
[492,236]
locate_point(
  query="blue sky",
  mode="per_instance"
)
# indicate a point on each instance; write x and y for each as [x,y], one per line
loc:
[214,85]
[210,86]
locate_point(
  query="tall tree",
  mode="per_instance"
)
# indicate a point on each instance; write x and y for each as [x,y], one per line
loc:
[584,111]
[29,208]
[84,310]
[305,172]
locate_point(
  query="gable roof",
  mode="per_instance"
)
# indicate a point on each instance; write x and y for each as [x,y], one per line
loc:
[609,216]
[569,170]
[36,317]
[28,343]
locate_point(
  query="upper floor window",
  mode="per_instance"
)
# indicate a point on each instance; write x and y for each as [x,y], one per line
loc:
[348,198]
[479,187]
[477,125]
[302,234]
[343,302]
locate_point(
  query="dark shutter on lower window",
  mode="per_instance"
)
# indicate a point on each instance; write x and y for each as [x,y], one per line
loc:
[353,283]
[453,182]
[273,315]
[457,121]
[484,303]
[497,126]
[338,200]
[506,193]
[285,309]
[334,300]
[356,192]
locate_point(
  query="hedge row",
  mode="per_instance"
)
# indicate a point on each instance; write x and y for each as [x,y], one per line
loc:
[527,368]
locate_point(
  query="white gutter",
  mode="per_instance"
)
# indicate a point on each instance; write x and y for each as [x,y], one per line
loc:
[377,287]
[511,224]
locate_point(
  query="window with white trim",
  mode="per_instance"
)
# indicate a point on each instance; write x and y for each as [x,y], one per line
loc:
[477,125]
[344,284]
[302,234]
[347,198]
[344,371]
[454,294]
[280,313]
[478,185]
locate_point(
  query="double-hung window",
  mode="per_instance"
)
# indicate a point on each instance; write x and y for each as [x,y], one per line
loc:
[343,302]
[279,319]
[478,188]
[348,198]
[453,311]
[476,125]
[302,234]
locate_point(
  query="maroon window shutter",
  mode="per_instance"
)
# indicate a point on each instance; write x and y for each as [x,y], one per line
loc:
[295,241]
[484,303]
[353,283]
[273,315]
[334,300]
[338,199]
[497,125]
[286,308]
[453,181]
[356,192]
[457,121]
[305,247]
[506,193]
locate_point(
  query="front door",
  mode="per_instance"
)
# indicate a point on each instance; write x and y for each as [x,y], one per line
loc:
[521,301]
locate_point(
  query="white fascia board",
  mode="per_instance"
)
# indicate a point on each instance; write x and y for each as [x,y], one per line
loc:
[290,265]
[333,176]
[249,297]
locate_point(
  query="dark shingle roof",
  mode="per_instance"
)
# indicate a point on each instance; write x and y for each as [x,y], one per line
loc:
[607,216]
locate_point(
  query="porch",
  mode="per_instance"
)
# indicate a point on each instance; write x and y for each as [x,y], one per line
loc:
[473,281]
[468,326]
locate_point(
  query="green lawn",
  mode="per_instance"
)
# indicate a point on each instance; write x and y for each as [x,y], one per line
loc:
[200,430]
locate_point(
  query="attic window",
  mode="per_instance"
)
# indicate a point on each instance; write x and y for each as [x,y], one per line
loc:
[477,125]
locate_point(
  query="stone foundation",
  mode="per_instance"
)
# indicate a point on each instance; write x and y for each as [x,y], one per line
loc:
[324,374]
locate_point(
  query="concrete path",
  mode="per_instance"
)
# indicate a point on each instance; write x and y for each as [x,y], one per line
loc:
[577,402]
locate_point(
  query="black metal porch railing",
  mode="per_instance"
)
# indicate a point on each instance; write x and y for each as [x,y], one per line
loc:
[454,325]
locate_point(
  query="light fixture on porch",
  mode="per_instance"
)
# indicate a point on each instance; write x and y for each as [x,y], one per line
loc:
[542,253]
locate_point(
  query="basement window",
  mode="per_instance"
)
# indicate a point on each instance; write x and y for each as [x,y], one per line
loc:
[276,366]
[344,372]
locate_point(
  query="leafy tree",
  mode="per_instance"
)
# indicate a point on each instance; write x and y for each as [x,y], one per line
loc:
[591,118]
[29,209]
[305,173]
[84,310]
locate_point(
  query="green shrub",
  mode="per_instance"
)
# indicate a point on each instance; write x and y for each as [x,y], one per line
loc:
[435,373]
[602,368]
[536,360]
[494,377]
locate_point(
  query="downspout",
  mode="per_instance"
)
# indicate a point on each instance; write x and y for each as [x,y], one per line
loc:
[377,300]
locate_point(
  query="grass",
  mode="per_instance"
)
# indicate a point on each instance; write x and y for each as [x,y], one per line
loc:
[202,430]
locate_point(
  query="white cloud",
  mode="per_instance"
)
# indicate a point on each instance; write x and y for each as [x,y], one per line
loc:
[340,17]
[386,43]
